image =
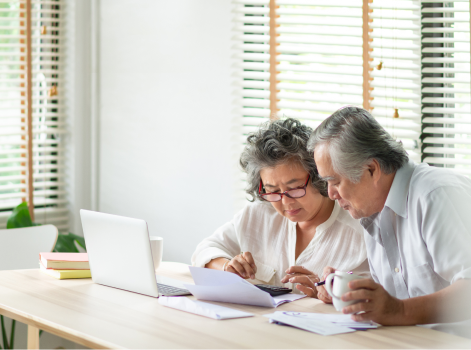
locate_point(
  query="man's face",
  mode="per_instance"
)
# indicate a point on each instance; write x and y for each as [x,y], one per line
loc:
[357,198]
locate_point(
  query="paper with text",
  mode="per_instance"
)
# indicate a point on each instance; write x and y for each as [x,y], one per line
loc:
[227,287]
[324,324]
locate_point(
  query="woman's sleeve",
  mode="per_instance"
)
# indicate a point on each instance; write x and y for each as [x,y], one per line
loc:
[224,243]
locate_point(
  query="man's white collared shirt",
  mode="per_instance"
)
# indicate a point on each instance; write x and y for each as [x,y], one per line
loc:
[420,242]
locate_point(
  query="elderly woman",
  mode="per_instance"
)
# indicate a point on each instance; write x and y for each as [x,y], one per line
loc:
[291,230]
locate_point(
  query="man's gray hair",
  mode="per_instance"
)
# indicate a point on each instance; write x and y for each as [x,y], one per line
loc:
[354,138]
[278,142]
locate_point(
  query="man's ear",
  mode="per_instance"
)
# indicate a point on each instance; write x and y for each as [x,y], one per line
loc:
[374,170]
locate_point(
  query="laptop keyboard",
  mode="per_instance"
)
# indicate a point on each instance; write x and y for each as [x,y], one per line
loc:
[165,289]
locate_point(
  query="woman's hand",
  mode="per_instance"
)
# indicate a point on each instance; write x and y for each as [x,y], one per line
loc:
[304,278]
[242,265]
[321,292]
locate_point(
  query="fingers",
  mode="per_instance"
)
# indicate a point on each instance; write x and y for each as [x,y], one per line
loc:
[299,269]
[242,267]
[367,316]
[365,283]
[327,271]
[322,295]
[312,293]
[232,270]
[250,260]
[288,278]
[359,294]
[355,308]
[304,280]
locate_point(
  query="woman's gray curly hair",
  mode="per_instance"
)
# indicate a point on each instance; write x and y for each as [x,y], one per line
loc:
[275,143]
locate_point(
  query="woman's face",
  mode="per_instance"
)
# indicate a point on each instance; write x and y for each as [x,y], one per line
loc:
[285,177]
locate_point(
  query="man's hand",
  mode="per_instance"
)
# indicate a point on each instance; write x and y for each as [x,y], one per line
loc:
[377,304]
[242,265]
[322,294]
[304,278]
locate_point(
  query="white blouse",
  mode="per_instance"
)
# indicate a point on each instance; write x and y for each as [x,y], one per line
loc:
[271,239]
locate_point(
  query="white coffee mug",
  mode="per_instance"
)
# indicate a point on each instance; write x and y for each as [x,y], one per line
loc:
[157,247]
[340,287]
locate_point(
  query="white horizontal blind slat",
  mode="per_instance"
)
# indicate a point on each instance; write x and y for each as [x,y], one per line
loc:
[13,155]
[320,60]
[49,109]
[446,80]
[252,44]
[396,70]
[252,71]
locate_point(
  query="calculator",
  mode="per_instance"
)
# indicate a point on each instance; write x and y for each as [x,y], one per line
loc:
[273,290]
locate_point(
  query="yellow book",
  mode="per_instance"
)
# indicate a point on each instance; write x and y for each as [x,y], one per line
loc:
[65,274]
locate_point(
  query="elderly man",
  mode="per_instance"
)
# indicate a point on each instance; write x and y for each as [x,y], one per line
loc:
[416,219]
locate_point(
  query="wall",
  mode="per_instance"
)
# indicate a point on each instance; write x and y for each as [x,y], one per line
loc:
[165,117]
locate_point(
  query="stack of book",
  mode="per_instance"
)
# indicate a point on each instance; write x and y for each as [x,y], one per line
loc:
[65,265]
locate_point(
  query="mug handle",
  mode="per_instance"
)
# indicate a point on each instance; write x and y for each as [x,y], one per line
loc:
[328,285]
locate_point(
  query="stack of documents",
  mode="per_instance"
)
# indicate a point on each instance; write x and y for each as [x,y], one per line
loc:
[324,324]
[65,265]
[203,309]
[215,285]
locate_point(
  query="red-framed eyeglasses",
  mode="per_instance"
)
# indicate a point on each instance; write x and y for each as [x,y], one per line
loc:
[297,192]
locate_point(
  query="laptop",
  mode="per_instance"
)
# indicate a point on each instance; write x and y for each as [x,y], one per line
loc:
[120,255]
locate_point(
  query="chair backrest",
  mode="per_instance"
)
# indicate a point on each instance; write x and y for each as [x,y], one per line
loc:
[20,247]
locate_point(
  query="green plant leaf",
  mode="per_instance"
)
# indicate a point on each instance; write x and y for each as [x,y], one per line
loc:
[20,217]
[12,334]
[4,334]
[79,239]
[65,244]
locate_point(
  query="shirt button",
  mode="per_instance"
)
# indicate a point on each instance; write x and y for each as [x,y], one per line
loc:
[396,269]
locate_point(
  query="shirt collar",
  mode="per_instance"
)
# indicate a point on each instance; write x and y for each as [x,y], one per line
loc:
[366,222]
[399,191]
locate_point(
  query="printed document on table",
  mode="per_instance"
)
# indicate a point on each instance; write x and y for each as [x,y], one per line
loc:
[338,319]
[204,309]
[227,287]
[324,324]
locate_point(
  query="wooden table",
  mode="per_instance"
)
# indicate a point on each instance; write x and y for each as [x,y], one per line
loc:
[101,317]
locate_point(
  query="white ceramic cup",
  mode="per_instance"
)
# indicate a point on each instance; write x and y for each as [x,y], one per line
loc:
[157,247]
[340,287]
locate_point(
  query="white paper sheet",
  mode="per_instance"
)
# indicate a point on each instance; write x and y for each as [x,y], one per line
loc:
[311,325]
[204,309]
[227,287]
[324,324]
[286,298]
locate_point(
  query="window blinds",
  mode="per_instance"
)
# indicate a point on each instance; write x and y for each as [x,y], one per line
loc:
[253,67]
[252,73]
[396,76]
[446,84]
[319,58]
[419,68]
[48,110]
